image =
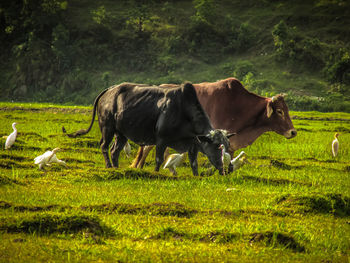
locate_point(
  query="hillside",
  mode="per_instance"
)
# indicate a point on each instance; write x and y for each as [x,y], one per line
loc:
[68,51]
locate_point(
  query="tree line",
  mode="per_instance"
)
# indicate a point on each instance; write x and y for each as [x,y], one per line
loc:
[67,50]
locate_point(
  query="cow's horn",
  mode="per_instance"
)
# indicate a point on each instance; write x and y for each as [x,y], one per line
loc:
[230,134]
[274,98]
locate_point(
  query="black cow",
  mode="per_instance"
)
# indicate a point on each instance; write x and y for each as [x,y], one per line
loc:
[148,115]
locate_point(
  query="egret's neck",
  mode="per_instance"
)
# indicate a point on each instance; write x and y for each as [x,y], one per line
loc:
[51,155]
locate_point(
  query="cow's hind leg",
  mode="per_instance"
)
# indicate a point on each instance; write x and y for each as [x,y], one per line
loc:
[118,145]
[145,153]
[107,137]
[139,154]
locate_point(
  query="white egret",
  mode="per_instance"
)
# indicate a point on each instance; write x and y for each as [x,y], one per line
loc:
[335,145]
[127,149]
[12,137]
[174,160]
[47,158]
[225,157]
[239,161]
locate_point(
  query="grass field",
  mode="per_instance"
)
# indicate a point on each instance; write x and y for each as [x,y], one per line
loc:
[292,204]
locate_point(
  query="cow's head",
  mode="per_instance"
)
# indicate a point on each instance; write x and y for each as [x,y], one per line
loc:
[277,114]
[210,146]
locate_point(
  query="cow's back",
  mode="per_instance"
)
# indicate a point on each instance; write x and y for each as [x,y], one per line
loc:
[228,103]
[146,113]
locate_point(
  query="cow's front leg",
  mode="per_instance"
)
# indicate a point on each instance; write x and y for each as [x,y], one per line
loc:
[160,148]
[117,147]
[192,156]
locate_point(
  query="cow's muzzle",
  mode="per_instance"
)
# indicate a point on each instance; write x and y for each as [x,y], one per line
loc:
[290,134]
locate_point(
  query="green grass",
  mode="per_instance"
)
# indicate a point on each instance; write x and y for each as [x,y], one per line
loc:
[292,204]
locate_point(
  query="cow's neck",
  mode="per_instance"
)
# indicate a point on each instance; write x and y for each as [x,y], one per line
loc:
[247,136]
[248,132]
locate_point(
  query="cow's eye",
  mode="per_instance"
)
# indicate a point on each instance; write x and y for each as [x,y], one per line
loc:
[279,112]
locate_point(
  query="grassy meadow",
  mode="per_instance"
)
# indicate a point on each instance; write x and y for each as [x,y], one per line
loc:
[291,204]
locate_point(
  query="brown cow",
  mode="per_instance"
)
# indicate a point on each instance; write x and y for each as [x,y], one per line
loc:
[231,107]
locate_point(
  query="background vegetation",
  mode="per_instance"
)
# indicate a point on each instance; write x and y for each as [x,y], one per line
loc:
[67,51]
[292,204]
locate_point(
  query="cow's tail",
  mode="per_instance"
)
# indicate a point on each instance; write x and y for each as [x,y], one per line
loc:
[85,131]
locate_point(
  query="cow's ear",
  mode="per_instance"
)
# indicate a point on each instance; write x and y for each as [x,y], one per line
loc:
[269,109]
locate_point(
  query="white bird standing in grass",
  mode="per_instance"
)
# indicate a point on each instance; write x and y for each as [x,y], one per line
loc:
[127,149]
[47,158]
[239,161]
[174,160]
[225,157]
[335,145]
[12,137]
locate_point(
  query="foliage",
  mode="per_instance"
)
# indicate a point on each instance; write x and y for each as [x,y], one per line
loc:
[332,102]
[292,47]
[205,11]
[52,48]
[242,68]
[338,71]
[239,36]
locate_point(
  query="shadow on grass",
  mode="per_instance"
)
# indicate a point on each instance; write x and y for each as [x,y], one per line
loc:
[320,118]
[335,204]
[23,208]
[214,236]
[55,223]
[32,135]
[9,164]
[130,173]
[19,146]
[276,239]
[85,143]
[75,160]
[274,181]
[4,180]
[268,238]
[13,157]
[154,209]
[45,109]
[9,160]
